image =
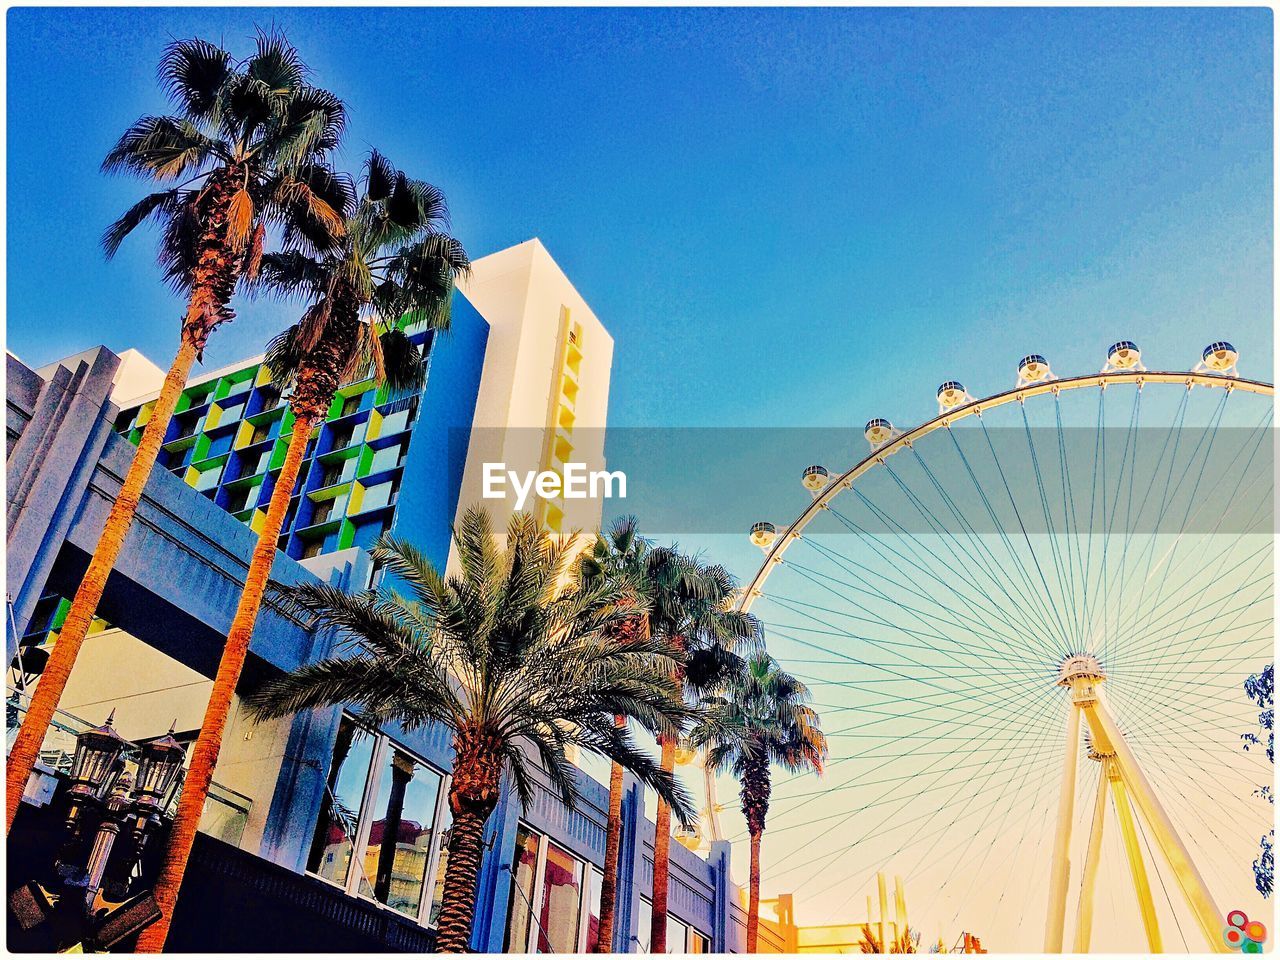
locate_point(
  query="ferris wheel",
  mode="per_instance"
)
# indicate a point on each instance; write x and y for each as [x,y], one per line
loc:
[1027,623]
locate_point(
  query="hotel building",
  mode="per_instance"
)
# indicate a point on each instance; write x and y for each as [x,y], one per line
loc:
[322,833]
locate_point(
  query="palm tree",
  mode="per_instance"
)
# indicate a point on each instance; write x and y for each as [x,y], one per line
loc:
[904,943]
[389,243]
[692,606]
[246,147]
[622,558]
[510,661]
[763,719]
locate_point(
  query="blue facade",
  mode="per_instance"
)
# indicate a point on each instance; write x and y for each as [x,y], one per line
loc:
[65,462]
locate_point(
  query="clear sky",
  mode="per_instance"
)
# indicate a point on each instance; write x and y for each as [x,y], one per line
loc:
[785,218]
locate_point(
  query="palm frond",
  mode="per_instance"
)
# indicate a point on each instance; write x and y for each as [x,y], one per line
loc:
[192,73]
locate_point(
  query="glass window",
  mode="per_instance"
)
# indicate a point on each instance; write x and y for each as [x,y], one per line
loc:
[524,868]
[561,902]
[643,926]
[238,500]
[231,413]
[208,479]
[398,849]
[377,827]
[593,910]
[442,861]
[677,935]
[336,831]
[698,943]
[379,495]
[395,422]
[386,458]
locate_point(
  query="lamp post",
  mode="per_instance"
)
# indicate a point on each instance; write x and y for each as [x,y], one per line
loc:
[111,813]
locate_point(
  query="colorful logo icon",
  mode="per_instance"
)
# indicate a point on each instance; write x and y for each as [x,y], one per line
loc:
[1244,934]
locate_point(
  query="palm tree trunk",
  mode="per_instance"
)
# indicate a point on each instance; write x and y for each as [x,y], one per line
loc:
[473,795]
[662,857]
[26,746]
[754,792]
[612,844]
[204,756]
[753,903]
[458,906]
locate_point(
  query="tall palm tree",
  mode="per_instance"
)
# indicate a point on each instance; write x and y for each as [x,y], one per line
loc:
[692,606]
[504,656]
[391,262]
[246,148]
[762,719]
[622,558]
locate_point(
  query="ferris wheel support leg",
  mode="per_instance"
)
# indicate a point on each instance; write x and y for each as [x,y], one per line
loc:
[1084,911]
[1194,889]
[1141,886]
[1060,875]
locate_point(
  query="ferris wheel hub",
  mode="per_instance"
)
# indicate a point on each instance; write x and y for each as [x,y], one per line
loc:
[1080,666]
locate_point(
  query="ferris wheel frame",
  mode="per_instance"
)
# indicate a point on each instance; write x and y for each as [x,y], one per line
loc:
[843,482]
[887,441]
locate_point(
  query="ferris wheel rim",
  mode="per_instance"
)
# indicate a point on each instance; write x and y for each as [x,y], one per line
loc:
[842,482]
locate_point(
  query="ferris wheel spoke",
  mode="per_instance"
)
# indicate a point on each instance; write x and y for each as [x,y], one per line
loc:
[1168,649]
[976,628]
[1018,731]
[981,554]
[971,623]
[945,578]
[1075,638]
[958,566]
[1210,435]
[1256,517]
[1036,599]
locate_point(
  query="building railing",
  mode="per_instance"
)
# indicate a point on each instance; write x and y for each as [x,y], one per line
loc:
[226,811]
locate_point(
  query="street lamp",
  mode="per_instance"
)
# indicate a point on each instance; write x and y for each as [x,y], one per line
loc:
[158,769]
[97,762]
[93,903]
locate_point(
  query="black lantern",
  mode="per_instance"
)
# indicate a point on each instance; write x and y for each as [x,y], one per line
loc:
[98,752]
[158,769]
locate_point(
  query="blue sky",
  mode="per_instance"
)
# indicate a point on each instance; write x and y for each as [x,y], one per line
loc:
[784,217]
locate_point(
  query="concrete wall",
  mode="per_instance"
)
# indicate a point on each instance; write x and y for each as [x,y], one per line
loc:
[524,294]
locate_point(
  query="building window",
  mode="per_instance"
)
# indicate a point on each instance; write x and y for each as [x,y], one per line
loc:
[341,438]
[261,432]
[379,495]
[208,479]
[524,868]
[593,911]
[386,458]
[238,500]
[681,937]
[546,906]
[377,835]
[350,405]
[561,907]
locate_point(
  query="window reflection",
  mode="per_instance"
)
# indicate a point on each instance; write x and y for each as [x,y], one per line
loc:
[520,907]
[399,846]
[561,902]
[336,831]
[593,911]
[374,836]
